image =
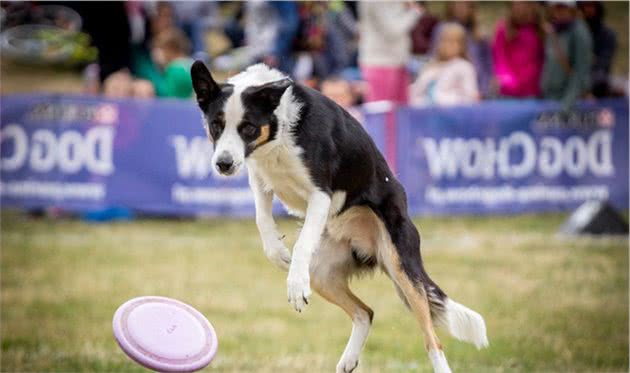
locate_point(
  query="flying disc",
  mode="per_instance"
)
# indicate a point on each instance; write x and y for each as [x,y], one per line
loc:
[164,334]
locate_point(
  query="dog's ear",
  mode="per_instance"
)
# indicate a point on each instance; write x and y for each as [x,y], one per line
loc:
[204,85]
[266,96]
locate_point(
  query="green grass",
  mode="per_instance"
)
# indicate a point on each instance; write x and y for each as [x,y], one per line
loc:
[551,304]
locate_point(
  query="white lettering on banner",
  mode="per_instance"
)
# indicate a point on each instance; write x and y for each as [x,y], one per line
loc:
[20,147]
[194,157]
[476,158]
[508,194]
[211,196]
[528,163]
[71,152]
[441,158]
[52,190]
[99,155]
[43,157]
[550,159]
[575,157]
[600,154]
[473,162]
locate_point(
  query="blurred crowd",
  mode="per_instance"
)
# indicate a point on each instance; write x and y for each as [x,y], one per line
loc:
[356,51]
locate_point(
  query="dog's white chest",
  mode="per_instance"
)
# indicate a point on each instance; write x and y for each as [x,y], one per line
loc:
[283,172]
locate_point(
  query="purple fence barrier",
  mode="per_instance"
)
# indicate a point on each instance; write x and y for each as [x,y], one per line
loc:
[513,156]
[86,153]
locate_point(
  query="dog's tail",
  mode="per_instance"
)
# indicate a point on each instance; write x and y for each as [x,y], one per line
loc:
[460,321]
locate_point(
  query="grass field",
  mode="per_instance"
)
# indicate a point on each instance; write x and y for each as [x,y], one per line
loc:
[551,304]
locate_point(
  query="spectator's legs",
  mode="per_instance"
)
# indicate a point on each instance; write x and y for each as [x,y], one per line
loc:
[386,83]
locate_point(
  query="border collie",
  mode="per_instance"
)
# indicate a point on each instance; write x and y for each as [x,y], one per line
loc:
[321,164]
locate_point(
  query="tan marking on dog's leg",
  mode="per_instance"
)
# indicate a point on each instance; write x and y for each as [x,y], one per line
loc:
[337,292]
[341,295]
[329,278]
[419,304]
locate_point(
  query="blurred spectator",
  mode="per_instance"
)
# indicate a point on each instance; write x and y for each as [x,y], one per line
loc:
[108,25]
[195,18]
[518,51]
[342,35]
[478,49]
[91,80]
[310,42]
[568,54]
[287,27]
[604,46]
[422,33]
[270,27]
[170,51]
[143,89]
[385,48]
[162,17]
[137,22]
[449,78]
[121,84]
[341,92]
[233,26]
[260,28]
[118,85]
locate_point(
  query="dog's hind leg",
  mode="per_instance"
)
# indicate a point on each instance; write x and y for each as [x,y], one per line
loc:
[329,271]
[415,298]
[399,253]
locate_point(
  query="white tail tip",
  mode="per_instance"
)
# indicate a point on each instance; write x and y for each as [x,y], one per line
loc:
[465,324]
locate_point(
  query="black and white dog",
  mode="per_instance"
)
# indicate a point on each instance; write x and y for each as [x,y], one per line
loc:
[301,147]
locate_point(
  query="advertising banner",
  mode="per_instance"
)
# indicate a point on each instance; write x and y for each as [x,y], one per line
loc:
[513,156]
[86,153]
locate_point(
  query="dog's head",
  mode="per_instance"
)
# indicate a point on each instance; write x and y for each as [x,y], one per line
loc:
[238,115]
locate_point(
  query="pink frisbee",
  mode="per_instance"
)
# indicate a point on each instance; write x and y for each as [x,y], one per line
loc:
[164,334]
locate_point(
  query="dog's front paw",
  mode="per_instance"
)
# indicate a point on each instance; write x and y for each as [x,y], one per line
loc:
[298,288]
[347,364]
[279,255]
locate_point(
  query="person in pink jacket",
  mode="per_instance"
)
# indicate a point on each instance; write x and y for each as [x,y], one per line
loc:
[518,51]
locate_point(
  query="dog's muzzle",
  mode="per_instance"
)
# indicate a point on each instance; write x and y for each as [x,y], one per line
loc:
[225,164]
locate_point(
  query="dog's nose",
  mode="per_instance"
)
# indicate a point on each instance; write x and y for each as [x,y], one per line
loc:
[225,162]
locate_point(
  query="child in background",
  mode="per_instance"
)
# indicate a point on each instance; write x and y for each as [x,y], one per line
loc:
[121,84]
[170,52]
[118,85]
[341,92]
[449,78]
[518,51]
[478,50]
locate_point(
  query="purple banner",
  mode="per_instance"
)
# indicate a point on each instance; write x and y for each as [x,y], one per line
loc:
[513,156]
[85,154]
[81,154]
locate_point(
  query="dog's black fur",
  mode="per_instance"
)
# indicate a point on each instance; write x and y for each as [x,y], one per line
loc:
[326,166]
[339,155]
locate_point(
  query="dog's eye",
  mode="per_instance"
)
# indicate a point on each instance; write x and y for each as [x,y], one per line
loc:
[248,129]
[216,127]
